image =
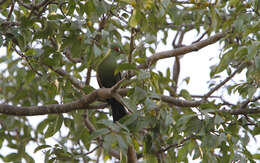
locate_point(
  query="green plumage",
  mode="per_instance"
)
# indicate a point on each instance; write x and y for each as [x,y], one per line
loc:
[106,70]
[106,77]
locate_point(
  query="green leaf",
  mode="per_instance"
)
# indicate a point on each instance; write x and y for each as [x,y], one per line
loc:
[109,124]
[256,156]
[85,138]
[50,130]
[130,104]
[130,119]
[98,133]
[109,141]
[184,119]
[225,60]
[143,75]
[187,80]
[126,1]
[97,51]
[139,94]
[193,126]
[41,147]
[252,50]
[29,76]
[1,41]
[58,123]
[149,158]
[257,63]
[28,158]
[210,141]
[218,119]
[125,66]
[12,157]
[150,104]
[121,142]
[69,123]
[184,93]
[55,16]
[133,19]
[41,126]
[251,91]
[62,154]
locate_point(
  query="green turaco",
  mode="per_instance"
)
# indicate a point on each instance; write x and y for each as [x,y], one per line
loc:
[106,77]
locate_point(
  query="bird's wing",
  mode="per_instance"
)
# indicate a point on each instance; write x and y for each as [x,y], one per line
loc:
[97,76]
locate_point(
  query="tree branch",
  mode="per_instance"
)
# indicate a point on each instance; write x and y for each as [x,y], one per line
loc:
[11,11]
[224,81]
[77,83]
[242,111]
[179,102]
[131,154]
[27,60]
[101,94]
[82,103]
[92,128]
[88,75]
[177,144]
[68,55]
[245,103]
[175,74]
[182,50]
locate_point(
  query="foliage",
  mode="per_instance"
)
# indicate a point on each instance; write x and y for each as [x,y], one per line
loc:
[51,52]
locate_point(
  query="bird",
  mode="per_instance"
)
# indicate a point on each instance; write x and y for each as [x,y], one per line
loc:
[107,78]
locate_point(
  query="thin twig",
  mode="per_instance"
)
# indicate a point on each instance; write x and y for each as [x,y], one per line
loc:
[131,46]
[11,11]
[175,74]
[93,150]
[67,53]
[29,7]
[181,39]
[201,37]
[87,122]
[177,144]
[77,83]
[88,75]
[117,85]
[245,103]
[224,81]
[175,39]
[27,60]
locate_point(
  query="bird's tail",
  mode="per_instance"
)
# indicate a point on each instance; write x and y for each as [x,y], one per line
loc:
[118,110]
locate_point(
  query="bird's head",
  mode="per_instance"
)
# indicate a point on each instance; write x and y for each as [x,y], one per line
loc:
[115,47]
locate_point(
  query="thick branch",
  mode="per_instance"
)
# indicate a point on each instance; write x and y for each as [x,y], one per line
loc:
[183,50]
[131,155]
[242,111]
[179,102]
[83,103]
[101,94]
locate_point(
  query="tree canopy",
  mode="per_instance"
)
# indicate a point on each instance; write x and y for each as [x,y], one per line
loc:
[50,50]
